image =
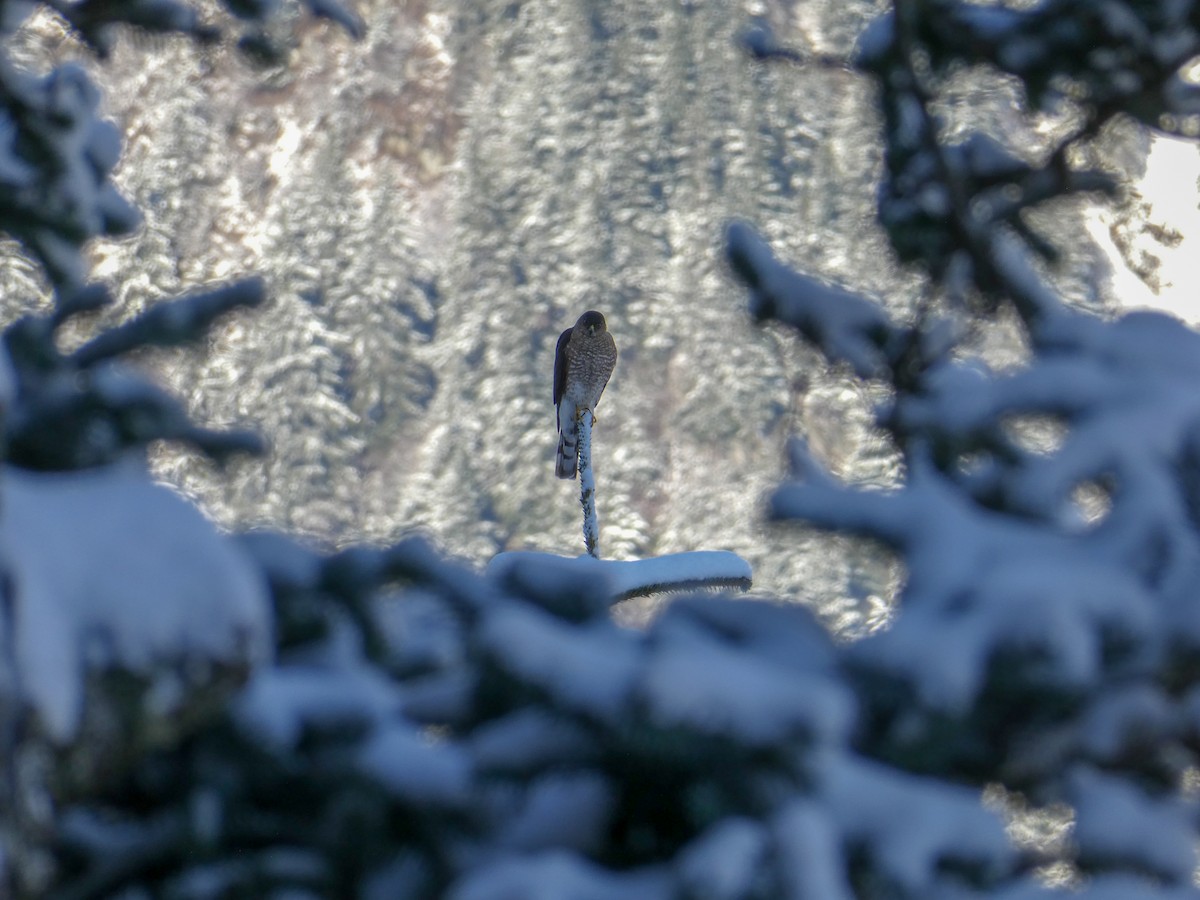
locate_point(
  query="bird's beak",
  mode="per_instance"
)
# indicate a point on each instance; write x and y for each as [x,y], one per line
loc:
[591,329]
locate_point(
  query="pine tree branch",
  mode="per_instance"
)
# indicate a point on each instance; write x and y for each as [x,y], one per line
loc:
[593,586]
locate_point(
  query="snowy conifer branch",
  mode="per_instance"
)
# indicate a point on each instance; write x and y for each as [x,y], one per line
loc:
[57,154]
[1036,602]
[815,497]
[847,327]
[587,484]
[678,573]
[611,581]
[173,322]
[958,210]
[86,408]
[95,26]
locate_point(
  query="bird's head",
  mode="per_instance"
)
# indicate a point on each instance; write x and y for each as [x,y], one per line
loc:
[591,322]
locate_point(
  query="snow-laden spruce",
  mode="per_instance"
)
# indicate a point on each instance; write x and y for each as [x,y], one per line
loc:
[111,572]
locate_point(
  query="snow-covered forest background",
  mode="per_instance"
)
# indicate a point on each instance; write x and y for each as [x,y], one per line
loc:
[434,203]
[878,253]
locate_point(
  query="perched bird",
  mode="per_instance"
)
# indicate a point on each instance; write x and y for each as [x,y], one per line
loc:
[583,363]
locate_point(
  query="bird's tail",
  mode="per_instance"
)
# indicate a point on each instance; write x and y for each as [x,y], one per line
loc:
[568,458]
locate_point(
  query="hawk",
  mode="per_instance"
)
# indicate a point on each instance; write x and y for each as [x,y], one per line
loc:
[583,363]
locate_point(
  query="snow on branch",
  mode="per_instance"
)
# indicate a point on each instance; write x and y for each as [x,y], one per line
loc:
[552,723]
[847,327]
[56,158]
[1027,611]
[178,321]
[1040,638]
[87,408]
[127,619]
[113,571]
[57,154]
[624,579]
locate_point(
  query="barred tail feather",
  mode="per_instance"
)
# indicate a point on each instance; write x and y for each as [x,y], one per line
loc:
[568,458]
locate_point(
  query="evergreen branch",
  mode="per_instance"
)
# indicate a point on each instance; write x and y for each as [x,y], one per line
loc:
[687,585]
[175,322]
[577,588]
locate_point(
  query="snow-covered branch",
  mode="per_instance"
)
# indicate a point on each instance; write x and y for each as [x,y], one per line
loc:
[624,579]
[88,408]
[847,327]
[181,320]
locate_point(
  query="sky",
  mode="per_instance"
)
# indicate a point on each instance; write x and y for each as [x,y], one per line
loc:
[1170,187]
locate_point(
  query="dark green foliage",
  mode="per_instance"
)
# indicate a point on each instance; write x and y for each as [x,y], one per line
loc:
[85,408]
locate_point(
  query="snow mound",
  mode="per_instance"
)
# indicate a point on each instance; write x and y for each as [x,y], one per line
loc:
[110,571]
